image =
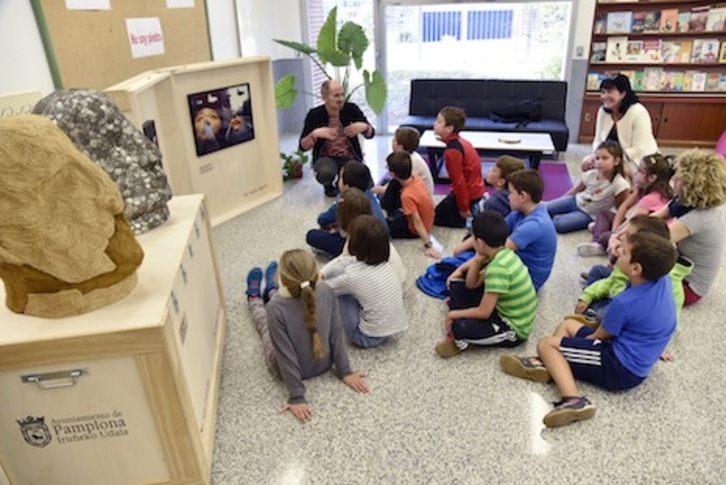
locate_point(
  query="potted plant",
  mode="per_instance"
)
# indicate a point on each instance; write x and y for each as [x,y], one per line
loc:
[340,49]
[292,168]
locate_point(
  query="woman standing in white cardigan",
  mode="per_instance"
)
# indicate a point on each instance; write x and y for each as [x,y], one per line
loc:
[624,119]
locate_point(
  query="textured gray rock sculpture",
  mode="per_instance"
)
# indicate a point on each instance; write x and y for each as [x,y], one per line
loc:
[102,133]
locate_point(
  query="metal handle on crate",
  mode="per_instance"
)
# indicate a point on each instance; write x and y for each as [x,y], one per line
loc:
[55,380]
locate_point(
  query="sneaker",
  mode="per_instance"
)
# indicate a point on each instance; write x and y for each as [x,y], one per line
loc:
[254,283]
[270,272]
[447,348]
[569,410]
[584,276]
[591,226]
[330,190]
[525,367]
[590,249]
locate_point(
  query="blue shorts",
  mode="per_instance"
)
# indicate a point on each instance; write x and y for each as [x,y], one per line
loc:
[595,361]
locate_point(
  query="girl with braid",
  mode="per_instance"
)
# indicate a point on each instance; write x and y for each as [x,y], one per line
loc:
[302,336]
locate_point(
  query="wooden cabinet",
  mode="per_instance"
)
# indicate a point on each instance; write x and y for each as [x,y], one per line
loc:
[667,49]
[127,393]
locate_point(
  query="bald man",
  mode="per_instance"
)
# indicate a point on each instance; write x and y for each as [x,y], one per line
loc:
[331,130]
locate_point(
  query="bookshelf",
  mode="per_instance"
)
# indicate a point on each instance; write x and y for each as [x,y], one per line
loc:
[674,53]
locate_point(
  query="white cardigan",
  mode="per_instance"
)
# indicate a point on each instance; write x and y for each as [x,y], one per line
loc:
[635,132]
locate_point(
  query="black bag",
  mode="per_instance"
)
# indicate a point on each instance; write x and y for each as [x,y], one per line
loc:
[520,112]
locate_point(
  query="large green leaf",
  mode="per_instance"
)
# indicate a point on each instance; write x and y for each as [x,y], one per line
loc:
[298,46]
[336,58]
[353,41]
[376,91]
[326,36]
[285,92]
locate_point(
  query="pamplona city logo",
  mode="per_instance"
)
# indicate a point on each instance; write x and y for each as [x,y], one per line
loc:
[34,430]
[73,429]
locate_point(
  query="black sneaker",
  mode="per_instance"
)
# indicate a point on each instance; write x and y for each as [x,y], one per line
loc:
[330,190]
[569,410]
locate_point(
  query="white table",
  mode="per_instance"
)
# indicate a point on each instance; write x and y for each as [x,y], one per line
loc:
[530,145]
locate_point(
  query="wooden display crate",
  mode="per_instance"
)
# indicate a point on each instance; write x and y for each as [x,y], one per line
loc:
[127,393]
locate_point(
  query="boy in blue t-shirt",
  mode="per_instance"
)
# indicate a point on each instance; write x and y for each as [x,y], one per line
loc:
[620,353]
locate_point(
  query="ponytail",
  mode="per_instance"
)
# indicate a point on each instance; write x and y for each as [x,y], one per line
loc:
[299,274]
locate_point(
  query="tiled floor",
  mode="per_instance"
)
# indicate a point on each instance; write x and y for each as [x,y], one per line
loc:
[427,420]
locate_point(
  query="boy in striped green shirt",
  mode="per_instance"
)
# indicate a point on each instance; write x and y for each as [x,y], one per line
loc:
[495,305]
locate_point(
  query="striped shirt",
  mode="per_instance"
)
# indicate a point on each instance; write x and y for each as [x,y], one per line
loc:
[517,302]
[379,294]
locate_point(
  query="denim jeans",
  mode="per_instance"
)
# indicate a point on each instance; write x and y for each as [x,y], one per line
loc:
[350,314]
[566,216]
[598,272]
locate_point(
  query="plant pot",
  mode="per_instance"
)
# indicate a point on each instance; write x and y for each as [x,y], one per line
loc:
[293,171]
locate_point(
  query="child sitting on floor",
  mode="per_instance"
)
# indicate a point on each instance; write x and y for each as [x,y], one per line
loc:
[495,305]
[600,189]
[369,292]
[406,138]
[498,177]
[327,239]
[621,352]
[651,192]
[300,328]
[532,234]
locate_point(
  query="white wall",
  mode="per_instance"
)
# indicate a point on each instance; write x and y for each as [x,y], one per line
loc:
[23,66]
[583,28]
[223,29]
[262,21]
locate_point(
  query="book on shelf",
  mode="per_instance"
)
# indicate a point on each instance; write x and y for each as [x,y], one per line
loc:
[699,81]
[688,80]
[634,52]
[682,22]
[638,81]
[619,22]
[678,82]
[630,74]
[617,48]
[669,81]
[705,51]
[598,51]
[638,24]
[593,81]
[713,79]
[652,78]
[715,19]
[685,51]
[600,26]
[699,16]
[651,50]
[722,83]
[651,23]
[670,51]
[722,55]
[668,20]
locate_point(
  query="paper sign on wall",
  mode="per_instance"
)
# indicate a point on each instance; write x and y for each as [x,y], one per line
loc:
[145,37]
[179,3]
[88,4]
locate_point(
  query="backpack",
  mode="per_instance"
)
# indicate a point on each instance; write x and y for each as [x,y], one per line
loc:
[521,112]
[433,281]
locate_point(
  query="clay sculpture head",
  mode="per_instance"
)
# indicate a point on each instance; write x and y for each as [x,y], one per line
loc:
[65,245]
[102,133]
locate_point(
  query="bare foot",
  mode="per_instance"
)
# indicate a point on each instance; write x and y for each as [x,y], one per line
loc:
[667,356]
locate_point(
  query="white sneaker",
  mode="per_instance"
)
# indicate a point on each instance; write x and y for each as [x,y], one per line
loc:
[591,226]
[590,249]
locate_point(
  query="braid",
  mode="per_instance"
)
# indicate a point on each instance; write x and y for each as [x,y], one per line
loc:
[311,318]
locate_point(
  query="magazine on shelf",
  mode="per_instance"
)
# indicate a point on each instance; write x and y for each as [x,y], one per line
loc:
[638,81]
[671,51]
[709,51]
[593,81]
[598,52]
[699,16]
[638,24]
[619,22]
[652,78]
[715,19]
[699,81]
[685,54]
[722,83]
[651,23]
[600,26]
[634,51]
[713,79]
[688,80]
[682,23]
[630,74]
[722,56]
[678,83]
[617,48]
[651,50]
[668,20]
[669,81]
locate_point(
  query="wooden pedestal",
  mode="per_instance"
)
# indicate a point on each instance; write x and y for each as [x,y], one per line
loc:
[128,393]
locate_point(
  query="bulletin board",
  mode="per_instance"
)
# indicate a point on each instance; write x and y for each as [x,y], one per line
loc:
[91,48]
